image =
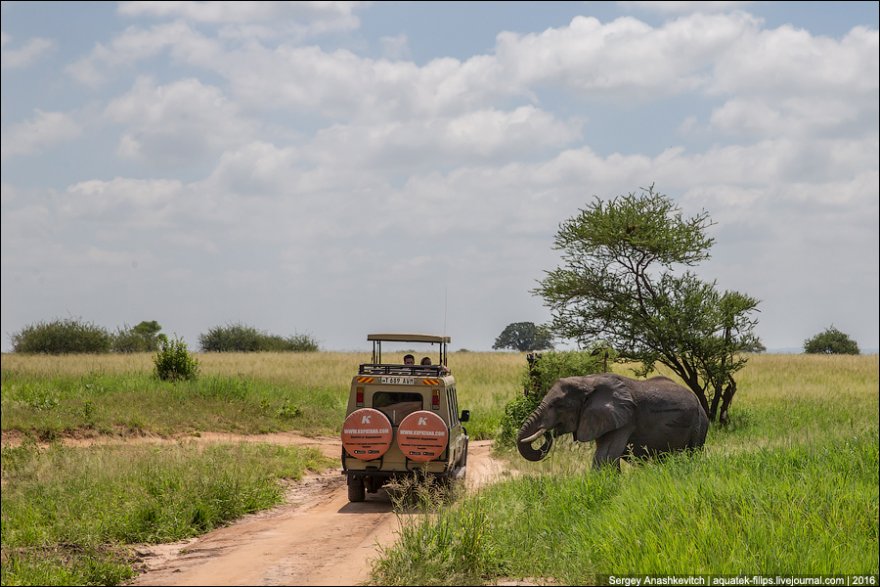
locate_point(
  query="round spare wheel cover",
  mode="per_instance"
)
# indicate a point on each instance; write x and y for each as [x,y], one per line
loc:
[422,436]
[366,434]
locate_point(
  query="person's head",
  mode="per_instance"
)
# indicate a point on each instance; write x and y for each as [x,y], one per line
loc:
[426,360]
[409,360]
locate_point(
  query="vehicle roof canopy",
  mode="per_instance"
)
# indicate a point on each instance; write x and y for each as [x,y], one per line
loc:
[408,338]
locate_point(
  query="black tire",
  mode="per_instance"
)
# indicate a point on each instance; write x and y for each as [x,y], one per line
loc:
[356,490]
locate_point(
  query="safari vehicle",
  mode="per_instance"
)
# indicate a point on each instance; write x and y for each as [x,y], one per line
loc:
[402,420]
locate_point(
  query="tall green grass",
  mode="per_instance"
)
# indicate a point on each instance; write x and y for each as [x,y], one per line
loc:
[70,514]
[790,488]
[49,396]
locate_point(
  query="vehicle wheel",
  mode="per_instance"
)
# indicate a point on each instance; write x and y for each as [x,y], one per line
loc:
[356,490]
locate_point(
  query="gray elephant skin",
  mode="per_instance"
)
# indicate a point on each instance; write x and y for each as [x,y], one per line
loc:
[626,417]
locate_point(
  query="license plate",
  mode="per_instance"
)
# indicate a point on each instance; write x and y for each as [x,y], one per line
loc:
[398,380]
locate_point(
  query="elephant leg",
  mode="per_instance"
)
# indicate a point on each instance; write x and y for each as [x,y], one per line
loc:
[610,447]
[637,450]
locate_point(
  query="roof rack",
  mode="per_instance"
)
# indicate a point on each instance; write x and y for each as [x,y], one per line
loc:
[378,339]
[411,370]
[408,338]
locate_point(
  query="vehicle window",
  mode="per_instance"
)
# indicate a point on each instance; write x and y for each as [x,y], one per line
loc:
[397,405]
[452,402]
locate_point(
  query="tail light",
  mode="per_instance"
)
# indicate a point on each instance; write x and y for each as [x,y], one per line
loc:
[359,397]
[435,400]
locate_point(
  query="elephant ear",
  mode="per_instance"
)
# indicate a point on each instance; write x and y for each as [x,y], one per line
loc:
[608,407]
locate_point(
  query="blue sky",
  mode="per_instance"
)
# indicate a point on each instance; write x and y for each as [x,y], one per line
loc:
[343,168]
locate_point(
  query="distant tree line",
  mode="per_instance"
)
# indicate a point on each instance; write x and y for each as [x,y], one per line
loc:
[247,339]
[66,336]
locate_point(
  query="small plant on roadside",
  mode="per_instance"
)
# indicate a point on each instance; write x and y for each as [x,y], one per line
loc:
[288,410]
[174,362]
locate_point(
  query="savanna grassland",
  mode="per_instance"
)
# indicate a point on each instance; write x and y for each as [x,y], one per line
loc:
[790,486]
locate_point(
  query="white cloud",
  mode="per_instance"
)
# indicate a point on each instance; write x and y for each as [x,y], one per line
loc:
[136,44]
[123,202]
[344,86]
[418,144]
[794,62]
[25,55]
[45,130]
[177,124]
[800,116]
[311,17]
[625,58]
[290,165]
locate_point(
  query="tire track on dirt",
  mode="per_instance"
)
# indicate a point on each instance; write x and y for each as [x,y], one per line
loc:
[317,538]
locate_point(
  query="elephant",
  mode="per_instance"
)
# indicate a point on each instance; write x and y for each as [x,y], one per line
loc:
[626,417]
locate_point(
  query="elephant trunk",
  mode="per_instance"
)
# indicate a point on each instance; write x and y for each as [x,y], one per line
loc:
[531,430]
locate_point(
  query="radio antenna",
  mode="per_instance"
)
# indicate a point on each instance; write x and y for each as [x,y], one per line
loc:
[445,307]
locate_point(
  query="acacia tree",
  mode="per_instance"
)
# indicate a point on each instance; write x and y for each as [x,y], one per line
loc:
[524,336]
[831,341]
[619,282]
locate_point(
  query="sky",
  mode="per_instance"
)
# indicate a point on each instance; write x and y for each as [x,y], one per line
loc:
[340,168]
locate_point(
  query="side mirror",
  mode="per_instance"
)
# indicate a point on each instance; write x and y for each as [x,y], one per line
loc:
[465,416]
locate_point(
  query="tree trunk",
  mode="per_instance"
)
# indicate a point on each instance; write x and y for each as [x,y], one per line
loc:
[703,401]
[693,382]
[713,411]
[727,399]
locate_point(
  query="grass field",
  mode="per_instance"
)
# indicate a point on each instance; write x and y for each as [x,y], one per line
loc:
[249,393]
[790,486]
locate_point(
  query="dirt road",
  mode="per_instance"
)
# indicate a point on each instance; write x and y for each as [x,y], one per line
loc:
[317,538]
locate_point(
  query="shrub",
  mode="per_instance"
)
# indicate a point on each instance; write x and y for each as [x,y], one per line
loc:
[301,343]
[143,338]
[174,362]
[539,376]
[247,339]
[61,337]
[831,342]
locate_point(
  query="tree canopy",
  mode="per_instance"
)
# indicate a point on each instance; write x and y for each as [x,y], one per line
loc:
[621,280]
[143,338]
[831,342]
[524,336]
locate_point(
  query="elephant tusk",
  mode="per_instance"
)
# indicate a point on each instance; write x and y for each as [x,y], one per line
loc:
[533,437]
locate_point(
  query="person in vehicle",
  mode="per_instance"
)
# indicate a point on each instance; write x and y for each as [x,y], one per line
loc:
[426,361]
[409,360]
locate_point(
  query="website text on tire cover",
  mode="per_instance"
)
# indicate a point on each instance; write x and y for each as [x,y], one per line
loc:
[403,420]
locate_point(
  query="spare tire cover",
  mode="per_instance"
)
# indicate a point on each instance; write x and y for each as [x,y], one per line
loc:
[422,436]
[366,434]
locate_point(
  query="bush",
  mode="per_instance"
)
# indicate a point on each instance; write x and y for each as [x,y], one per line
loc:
[61,337]
[539,376]
[301,343]
[247,339]
[831,342]
[174,362]
[143,338]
